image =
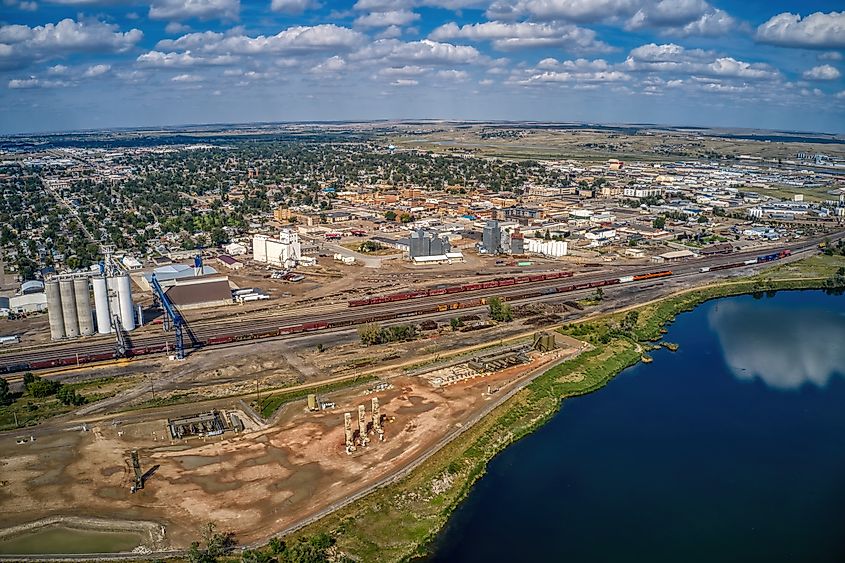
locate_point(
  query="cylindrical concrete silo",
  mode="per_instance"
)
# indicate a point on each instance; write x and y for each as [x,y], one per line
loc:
[83,306]
[127,308]
[54,310]
[101,304]
[69,308]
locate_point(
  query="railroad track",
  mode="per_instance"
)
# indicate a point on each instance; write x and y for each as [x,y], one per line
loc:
[246,329]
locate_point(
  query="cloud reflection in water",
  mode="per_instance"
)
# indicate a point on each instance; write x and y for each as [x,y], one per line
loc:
[784,347]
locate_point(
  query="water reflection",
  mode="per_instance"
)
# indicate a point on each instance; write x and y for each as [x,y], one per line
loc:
[784,347]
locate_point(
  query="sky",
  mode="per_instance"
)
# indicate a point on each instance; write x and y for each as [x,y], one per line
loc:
[91,64]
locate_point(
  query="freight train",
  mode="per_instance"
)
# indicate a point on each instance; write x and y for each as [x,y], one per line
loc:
[336,323]
[759,260]
[498,282]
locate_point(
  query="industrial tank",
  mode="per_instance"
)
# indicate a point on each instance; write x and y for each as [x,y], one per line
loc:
[127,308]
[54,310]
[69,315]
[101,304]
[83,306]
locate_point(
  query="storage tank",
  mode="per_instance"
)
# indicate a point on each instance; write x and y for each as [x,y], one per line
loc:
[127,308]
[69,308]
[83,306]
[54,310]
[101,304]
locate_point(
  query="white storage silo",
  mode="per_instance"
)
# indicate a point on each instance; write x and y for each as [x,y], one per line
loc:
[69,308]
[54,310]
[127,308]
[83,306]
[101,304]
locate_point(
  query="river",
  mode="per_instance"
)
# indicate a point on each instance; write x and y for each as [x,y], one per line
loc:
[730,449]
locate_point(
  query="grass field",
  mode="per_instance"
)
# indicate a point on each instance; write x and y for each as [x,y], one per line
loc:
[31,410]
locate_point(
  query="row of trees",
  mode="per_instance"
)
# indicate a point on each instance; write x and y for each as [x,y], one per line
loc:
[373,333]
[216,545]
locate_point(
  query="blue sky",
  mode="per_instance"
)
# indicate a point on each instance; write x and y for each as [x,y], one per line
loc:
[80,64]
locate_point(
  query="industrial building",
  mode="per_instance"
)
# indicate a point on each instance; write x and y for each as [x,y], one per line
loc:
[549,248]
[427,243]
[175,272]
[69,304]
[283,252]
[230,262]
[196,293]
[491,238]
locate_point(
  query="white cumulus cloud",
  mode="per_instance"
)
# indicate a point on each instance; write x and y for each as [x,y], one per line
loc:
[507,36]
[822,72]
[201,9]
[816,31]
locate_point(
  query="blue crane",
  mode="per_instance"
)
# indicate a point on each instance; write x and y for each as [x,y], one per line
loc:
[172,315]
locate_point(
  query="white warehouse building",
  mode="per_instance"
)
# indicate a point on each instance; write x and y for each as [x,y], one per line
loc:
[283,252]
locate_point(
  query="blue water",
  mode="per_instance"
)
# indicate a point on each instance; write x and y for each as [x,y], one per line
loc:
[731,449]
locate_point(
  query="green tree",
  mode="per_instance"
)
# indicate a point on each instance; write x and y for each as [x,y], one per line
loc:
[390,215]
[629,321]
[369,334]
[41,388]
[499,311]
[217,544]
[277,545]
[659,222]
[5,396]
[456,323]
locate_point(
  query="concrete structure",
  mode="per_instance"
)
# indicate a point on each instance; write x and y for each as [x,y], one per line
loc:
[69,314]
[83,306]
[517,245]
[54,310]
[427,243]
[362,426]
[550,248]
[101,304]
[124,297]
[491,238]
[283,252]
[377,419]
[350,435]
[544,341]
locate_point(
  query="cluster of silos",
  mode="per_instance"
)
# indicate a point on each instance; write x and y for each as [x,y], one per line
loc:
[69,305]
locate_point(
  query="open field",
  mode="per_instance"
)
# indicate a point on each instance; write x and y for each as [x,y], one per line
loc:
[583,143]
[250,483]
